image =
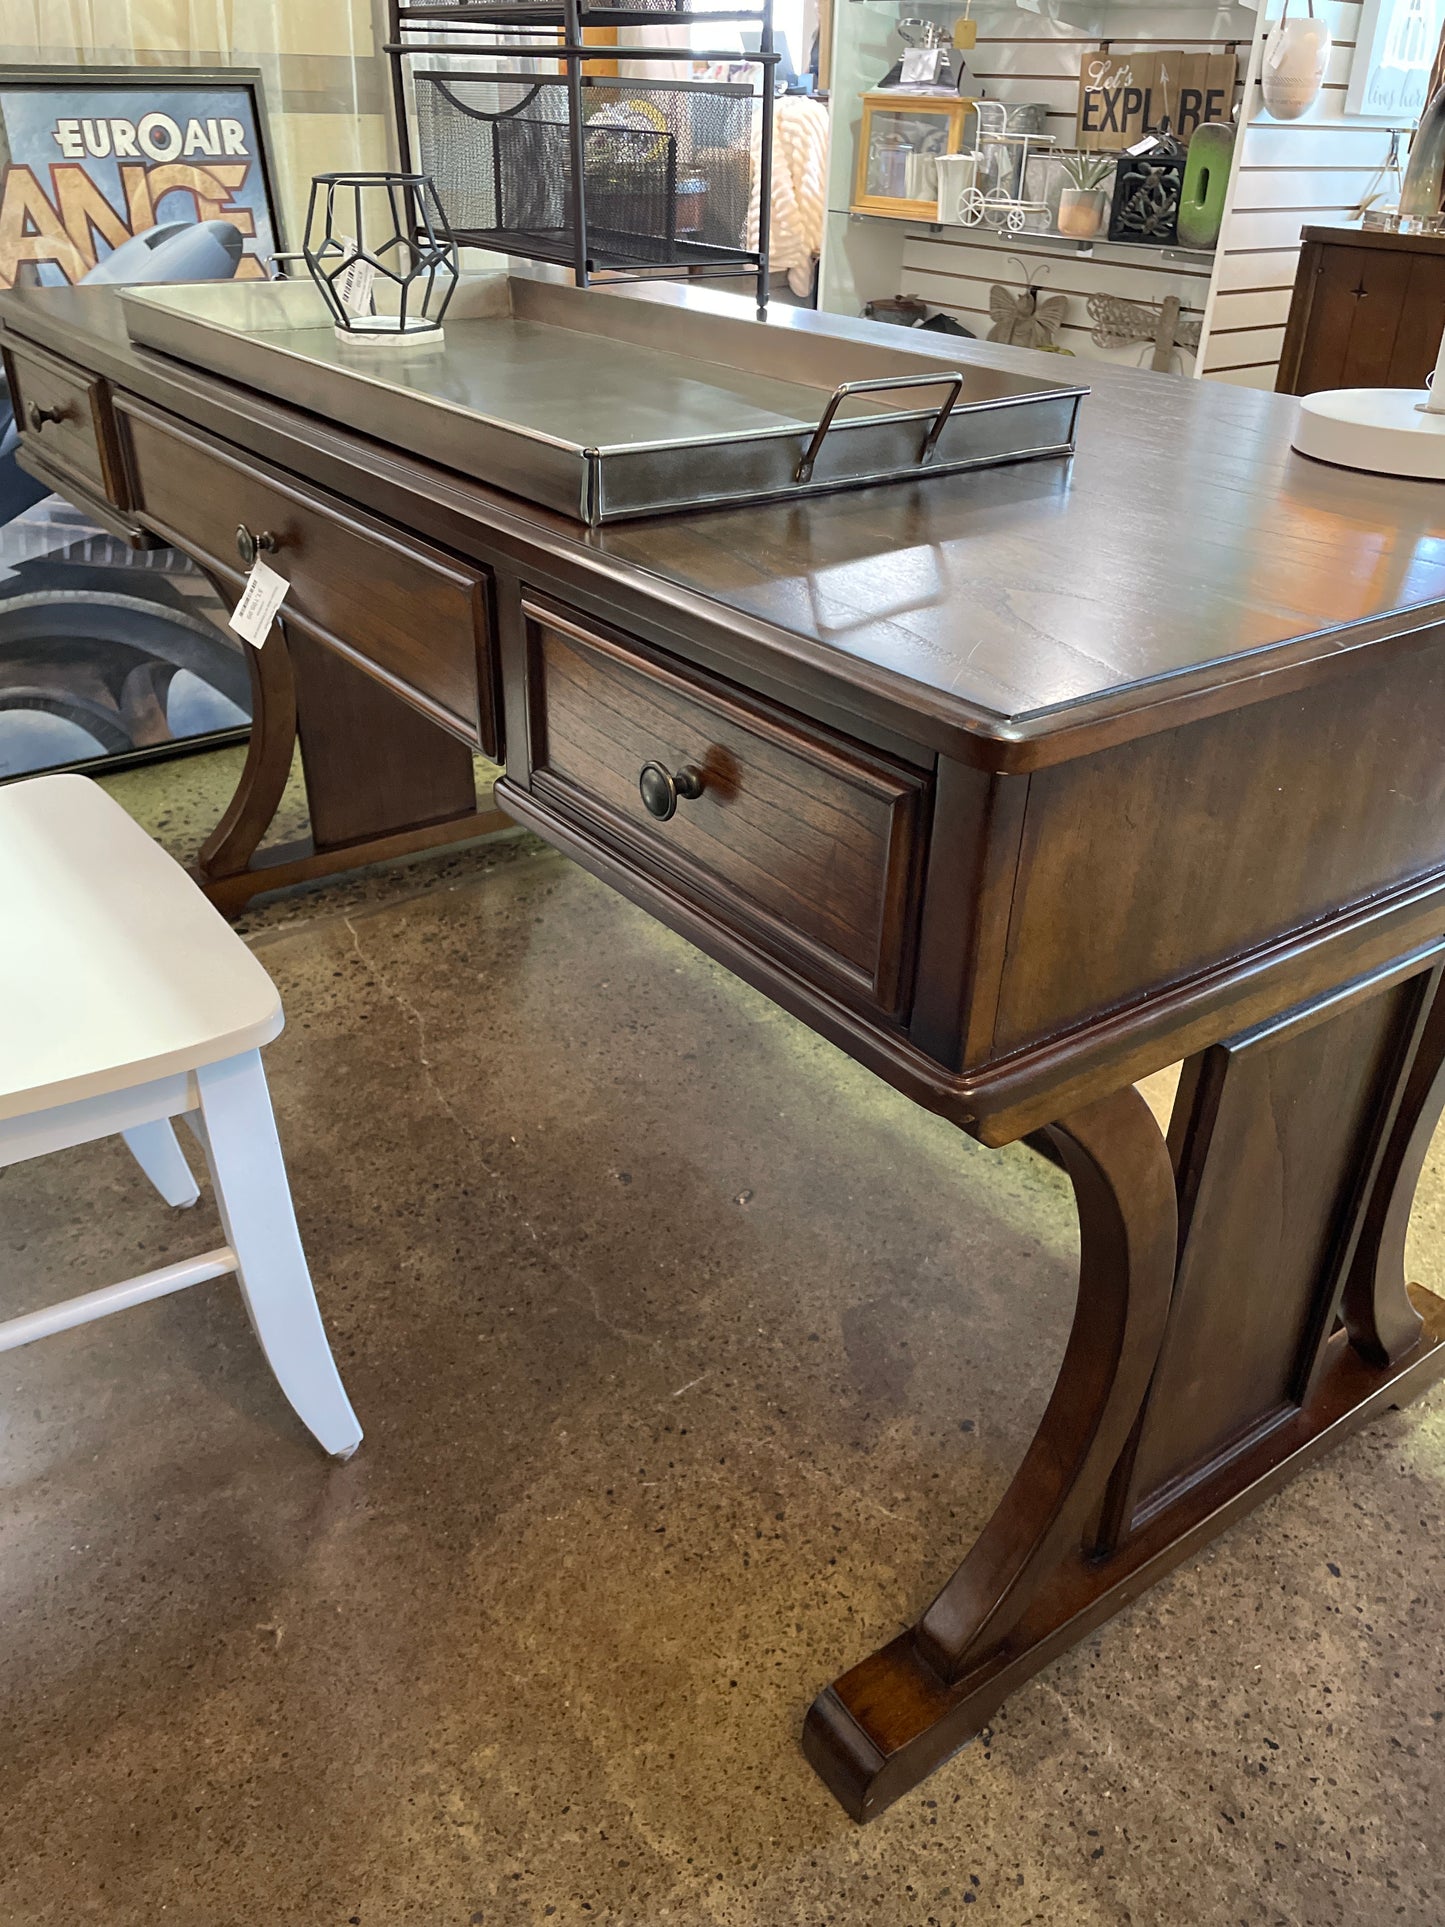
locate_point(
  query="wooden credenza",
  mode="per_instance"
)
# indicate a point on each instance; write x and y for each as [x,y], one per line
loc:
[1017,786]
[1368,311]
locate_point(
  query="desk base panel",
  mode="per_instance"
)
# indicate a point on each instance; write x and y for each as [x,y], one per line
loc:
[1242,1304]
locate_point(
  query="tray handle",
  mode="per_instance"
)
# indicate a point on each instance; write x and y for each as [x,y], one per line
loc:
[804,471]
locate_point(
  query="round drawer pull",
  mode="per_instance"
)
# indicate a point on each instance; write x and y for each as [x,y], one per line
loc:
[249,546]
[661,790]
[38,416]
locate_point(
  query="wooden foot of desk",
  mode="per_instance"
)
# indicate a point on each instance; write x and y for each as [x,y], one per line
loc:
[282,865]
[382,782]
[1242,1305]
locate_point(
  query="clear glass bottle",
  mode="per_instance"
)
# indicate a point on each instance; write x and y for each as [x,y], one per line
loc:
[1422,193]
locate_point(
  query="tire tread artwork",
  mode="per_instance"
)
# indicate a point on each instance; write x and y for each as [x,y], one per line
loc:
[105,653]
[100,659]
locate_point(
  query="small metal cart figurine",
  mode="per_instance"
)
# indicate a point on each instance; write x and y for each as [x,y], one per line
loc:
[985,185]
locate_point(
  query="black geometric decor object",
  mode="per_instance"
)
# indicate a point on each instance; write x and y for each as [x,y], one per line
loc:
[380,252]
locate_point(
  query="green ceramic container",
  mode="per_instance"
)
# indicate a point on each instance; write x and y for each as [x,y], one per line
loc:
[1206,181]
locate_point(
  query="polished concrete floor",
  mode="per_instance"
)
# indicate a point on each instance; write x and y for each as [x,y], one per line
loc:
[685,1349]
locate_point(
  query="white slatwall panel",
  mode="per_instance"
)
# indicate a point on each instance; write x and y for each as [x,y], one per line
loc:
[1288,175]
[1269,188]
[1027,57]
[1254,308]
[1246,377]
[1250,347]
[1265,268]
[1313,143]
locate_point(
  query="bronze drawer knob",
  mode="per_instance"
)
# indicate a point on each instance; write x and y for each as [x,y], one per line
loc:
[38,416]
[660,789]
[249,546]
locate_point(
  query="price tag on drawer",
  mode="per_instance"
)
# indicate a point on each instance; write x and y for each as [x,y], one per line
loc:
[260,603]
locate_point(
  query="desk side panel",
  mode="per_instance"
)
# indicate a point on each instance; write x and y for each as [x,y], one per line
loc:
[1147,863]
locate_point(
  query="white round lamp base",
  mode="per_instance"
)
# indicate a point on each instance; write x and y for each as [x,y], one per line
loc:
[1385,430]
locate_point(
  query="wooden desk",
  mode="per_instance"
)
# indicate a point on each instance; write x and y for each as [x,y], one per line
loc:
[1017,786]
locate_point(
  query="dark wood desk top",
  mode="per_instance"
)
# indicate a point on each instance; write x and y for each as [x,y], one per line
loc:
[1182,553]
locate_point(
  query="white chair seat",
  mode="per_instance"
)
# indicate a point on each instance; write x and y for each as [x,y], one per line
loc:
[113,967]
[126,1000]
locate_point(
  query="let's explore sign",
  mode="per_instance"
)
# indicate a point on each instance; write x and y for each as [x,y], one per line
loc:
[1124,96]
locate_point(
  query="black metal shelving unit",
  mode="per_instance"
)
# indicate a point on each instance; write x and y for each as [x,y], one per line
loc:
[434,14]
[618,179]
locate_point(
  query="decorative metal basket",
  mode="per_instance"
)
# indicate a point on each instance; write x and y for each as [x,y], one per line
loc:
[666,166]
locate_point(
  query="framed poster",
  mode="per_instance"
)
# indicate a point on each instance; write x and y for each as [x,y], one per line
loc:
[92,159]
[1394,51]
[120,175]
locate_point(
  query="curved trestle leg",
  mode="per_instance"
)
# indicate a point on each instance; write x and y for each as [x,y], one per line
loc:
[1382,1322]
[880,1728]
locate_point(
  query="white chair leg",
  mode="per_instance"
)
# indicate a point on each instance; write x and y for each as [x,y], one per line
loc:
[158,1153]
[238,1130]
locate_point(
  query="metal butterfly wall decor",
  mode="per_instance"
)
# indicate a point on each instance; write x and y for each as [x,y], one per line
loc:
[1021,318]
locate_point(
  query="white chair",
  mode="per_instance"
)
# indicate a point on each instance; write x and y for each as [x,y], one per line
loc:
[126,1001]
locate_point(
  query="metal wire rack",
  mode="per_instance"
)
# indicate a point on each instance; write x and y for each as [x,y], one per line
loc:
[616,178]
[456,15]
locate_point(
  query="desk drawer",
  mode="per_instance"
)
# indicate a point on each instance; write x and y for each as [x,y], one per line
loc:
[65,416]
[413,617]
[810,845]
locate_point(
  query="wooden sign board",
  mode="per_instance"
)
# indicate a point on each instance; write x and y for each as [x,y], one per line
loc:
[1123,97]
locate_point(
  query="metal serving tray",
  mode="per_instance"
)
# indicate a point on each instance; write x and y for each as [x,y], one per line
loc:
[604,406]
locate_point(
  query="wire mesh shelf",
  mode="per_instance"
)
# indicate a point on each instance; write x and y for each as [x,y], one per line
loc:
[445,15]
[616,175]
[667,166]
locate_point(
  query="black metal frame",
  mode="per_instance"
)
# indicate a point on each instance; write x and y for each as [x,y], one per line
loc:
[569,17]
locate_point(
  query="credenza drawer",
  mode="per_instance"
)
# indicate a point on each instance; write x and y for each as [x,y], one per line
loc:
[412,616]
[809,844]
[64,415]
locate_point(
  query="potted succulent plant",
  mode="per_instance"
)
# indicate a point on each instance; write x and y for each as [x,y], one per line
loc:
[1083,204]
